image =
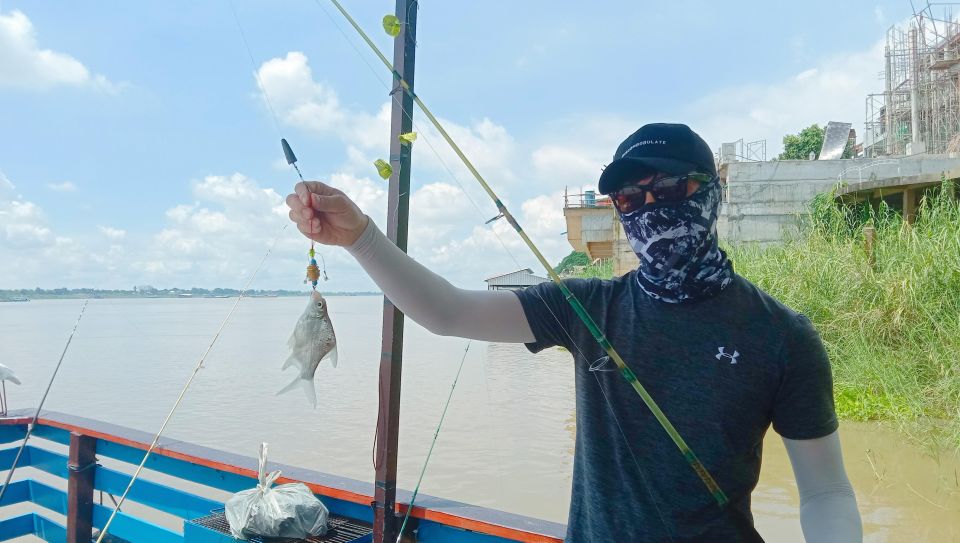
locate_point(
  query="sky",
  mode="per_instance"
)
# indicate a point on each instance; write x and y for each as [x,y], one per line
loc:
[137,147]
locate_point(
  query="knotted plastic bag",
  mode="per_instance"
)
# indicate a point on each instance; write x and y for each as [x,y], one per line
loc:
[289,510]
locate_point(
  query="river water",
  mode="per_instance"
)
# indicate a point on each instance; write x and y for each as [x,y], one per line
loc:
[507,442]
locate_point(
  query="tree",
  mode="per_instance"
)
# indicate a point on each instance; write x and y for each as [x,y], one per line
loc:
[575,258]
[799,146]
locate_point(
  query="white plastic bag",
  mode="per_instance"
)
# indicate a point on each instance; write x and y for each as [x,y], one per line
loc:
[289,510]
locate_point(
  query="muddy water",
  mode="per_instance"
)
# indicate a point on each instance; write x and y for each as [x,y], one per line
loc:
[905,493]
[508,438]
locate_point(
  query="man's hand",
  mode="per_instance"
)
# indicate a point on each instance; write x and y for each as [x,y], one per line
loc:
[325,214]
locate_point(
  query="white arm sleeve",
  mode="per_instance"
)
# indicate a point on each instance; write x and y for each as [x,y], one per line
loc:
[828,506]
[432,301]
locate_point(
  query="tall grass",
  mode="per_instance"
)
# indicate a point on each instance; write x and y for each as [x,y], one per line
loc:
[601,270]
[892,329]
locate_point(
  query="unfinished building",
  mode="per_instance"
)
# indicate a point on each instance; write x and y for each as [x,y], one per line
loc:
[919,108]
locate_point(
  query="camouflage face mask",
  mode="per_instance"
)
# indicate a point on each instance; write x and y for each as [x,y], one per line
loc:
[677,245]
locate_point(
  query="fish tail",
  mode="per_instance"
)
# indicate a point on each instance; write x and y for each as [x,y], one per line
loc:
[308,389]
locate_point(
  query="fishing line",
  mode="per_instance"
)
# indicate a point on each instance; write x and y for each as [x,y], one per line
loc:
[36,416]
[256,73]
[507,250]
[423,470]
[393,96]
[203,357]
[695,464]
[313,271]
[625,371]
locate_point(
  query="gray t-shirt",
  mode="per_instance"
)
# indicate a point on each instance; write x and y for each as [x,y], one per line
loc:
[722,370]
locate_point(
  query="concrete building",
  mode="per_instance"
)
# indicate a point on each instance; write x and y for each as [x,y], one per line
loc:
[765,202]
[516,280]
[593,228]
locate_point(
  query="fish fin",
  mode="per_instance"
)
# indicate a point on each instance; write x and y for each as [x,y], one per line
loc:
[332,355]
[291,360]
[308,389]
[13,379]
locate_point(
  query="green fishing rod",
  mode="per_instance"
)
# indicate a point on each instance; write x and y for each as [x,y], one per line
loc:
[578,307]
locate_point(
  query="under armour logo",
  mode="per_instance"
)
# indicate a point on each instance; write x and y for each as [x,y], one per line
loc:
[732,357]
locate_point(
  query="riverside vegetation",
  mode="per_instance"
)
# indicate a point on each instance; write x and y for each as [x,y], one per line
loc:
[891,324]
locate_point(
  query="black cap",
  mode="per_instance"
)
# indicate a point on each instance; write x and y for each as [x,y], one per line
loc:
[662,147]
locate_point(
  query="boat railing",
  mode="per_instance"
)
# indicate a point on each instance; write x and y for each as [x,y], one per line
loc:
[91,444]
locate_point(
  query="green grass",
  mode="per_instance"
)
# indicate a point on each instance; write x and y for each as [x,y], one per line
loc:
[577,264]
[602,270]
[892,329]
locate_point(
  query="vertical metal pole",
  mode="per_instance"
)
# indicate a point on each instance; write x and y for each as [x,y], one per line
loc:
[82,456]
[888,95]
[385,524]
[914,86]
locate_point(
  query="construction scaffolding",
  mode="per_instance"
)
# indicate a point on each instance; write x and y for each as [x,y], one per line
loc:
[919,110]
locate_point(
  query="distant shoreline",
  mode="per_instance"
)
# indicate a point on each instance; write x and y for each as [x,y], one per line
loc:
[26,295]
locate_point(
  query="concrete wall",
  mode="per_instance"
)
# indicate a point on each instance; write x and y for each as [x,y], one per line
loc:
[765,201]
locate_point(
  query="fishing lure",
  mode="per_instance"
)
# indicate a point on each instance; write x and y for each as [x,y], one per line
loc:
[313,270]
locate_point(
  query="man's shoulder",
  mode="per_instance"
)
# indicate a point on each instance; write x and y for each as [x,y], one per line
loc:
[594,290]
[761,305]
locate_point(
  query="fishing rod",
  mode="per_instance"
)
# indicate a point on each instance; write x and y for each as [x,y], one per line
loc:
[36,416]
[176,404]
[692,460]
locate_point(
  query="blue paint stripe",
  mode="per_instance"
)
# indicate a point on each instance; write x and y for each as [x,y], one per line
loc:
[131,528]
[162,497]
[214,478]
[182,469]
[47,496]
[434,532]
[32,524]
[47,461]
[48,530]
[17,492]
[7,456]
[16,527]
[9,434]
[43,495]
[57,435]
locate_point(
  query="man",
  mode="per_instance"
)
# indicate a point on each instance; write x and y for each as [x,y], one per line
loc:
[723,359]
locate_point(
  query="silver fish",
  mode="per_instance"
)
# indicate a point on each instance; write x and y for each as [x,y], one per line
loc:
[312,341]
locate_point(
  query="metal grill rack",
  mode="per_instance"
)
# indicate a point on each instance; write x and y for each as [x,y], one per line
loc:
[339,530]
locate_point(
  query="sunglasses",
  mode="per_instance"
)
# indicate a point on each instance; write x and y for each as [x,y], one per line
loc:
[670,189]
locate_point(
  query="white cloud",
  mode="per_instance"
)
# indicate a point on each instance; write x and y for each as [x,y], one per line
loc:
[833,90]
[210,241]
[295,97]
[22,223]
[112,233]
[66,186]
[446,232]
[78,261]
[24,65]
[440,202]
[568,165]
[300,101]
